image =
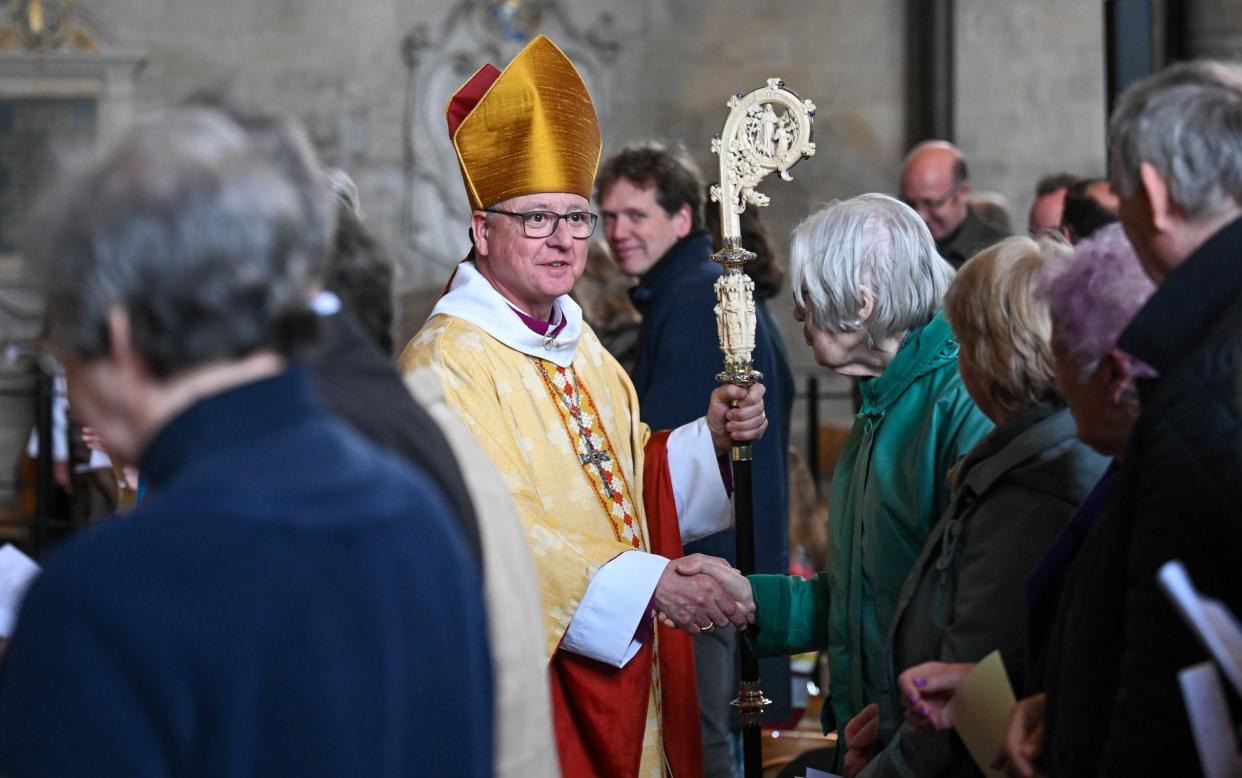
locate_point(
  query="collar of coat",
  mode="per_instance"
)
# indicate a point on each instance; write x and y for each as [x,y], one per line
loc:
[1182,310]
[686,255]
[928,349]
[229,420]
[971,236]
[1041,432]
[471,297]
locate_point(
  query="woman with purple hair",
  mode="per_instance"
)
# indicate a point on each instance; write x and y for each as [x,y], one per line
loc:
[1091,299]
[1091,302]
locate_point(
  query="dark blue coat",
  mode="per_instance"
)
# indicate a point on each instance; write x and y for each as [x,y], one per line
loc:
[289,600]
[675,372]
[358,383]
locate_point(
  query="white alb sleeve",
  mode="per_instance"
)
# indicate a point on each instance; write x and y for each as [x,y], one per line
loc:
[617,598]
[703,506]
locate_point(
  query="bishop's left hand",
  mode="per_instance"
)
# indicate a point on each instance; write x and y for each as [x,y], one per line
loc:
[689,598]
[730,423]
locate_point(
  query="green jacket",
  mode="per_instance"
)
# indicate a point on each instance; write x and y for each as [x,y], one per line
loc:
[966,593]
[888,491]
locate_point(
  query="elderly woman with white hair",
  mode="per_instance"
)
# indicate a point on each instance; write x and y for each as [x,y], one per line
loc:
[868,285]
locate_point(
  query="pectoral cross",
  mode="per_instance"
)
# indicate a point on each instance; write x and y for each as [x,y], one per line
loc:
[594,458]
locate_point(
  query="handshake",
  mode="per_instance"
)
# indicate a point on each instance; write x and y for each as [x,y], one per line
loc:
[698,593]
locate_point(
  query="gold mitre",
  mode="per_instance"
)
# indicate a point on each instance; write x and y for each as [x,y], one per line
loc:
[529,129]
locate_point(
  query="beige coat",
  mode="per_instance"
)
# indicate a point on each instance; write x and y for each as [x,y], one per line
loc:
[525,744]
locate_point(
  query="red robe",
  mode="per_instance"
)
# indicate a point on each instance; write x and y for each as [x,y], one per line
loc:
[600,712]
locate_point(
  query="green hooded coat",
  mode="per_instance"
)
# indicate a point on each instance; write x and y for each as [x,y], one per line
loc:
[888,491]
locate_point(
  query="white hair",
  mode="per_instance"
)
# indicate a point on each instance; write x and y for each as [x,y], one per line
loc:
[874,242]
[1186,122]
[196,232]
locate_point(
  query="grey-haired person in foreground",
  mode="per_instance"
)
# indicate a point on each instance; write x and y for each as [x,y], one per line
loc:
[267,611]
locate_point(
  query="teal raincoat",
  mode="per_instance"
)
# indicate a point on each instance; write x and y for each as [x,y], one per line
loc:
[888,491]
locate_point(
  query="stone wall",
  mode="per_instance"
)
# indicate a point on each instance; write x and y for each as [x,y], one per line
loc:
[1029,88]
[339,68]
[1030,93]
[1214,29]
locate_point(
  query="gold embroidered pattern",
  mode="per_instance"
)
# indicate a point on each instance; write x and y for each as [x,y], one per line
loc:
[597,456]
[595,451]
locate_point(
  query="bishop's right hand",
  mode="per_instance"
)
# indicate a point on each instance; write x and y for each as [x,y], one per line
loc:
[699,593]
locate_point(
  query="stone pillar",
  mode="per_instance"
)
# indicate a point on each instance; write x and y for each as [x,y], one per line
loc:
[1029,95]
[930,70]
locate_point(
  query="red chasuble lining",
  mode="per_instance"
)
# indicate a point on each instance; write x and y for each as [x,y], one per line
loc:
[683,742]
[600,712]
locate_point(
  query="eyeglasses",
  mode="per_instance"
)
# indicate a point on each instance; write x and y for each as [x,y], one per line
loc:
[541,224]
[933,205]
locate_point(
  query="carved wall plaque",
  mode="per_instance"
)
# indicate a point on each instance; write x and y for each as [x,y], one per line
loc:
[30,127]
[435,213]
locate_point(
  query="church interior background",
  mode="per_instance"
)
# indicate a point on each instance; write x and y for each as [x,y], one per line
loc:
[1025,95]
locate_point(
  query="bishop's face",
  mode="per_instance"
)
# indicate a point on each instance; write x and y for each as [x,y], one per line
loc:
[530,272]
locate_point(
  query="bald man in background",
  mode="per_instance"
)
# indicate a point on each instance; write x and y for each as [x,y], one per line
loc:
[935,183]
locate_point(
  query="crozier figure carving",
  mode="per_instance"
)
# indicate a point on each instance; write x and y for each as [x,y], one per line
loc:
[735,317]
[767,130]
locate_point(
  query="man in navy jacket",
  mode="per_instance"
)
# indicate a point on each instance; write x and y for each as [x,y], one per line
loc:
[290,599]
[651,201]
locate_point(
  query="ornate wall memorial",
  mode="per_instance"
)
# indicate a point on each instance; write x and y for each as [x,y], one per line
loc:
[439,57]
